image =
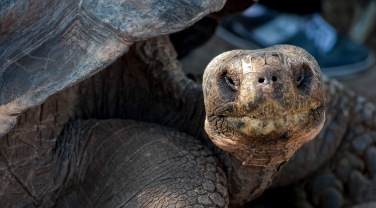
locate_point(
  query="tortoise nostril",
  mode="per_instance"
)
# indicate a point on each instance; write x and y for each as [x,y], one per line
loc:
[234,85]
[263,80]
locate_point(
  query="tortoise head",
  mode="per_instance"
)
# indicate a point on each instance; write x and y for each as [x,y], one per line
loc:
[262,105]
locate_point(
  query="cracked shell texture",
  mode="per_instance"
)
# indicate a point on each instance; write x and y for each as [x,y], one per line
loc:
[47,46]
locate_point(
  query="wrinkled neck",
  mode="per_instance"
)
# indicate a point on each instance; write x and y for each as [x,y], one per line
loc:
[245,182]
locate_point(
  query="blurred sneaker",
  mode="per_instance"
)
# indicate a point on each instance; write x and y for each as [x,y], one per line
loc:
[260,27]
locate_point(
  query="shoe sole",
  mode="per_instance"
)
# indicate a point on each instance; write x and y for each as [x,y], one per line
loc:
[339,72]
[351,70]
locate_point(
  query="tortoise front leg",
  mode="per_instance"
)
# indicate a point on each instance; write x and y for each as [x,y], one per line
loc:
[133,164]
[349,178]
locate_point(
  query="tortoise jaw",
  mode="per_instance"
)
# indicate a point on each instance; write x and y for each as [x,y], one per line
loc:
[268,119]
[265,141]
[273,125]
[253,127]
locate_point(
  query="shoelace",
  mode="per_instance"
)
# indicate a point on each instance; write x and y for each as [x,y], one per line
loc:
[320,32]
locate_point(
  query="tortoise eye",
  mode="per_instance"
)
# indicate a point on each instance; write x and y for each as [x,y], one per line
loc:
[230,82]
[299,80]
[303,81]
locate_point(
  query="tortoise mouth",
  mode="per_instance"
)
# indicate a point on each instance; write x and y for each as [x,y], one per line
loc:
[267,122]
[265,141]
[253,127]
[272,127]
[266,111]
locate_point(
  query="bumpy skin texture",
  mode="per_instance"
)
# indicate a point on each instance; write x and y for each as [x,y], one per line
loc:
[34,163]
[133,164]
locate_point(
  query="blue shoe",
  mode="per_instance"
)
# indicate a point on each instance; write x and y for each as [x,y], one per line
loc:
[338,56]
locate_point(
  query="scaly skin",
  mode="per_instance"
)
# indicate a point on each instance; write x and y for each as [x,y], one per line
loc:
[32,168]
[134,164]
[348,175]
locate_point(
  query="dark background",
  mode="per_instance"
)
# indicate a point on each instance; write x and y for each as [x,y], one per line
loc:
[341,14]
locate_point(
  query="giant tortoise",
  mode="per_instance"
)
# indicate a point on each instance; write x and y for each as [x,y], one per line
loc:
[133,135]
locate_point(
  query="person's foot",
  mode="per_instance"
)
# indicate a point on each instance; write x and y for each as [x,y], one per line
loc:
[258,27]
